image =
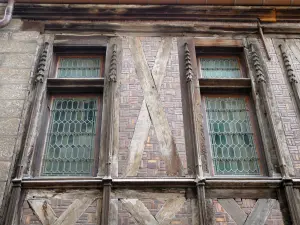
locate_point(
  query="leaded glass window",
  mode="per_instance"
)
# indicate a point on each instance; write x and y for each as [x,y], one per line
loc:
[231,136]
[220,67]
[79,67]
[70,144]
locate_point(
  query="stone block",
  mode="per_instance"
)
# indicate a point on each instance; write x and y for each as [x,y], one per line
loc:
[18,61]
[9,126]
[11,108]
[5,166]
[12,91]
[4,36]
[7,147]
[8,75]
[30,36]
[17,47]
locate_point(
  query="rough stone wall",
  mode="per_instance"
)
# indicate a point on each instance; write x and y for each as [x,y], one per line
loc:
[18,50]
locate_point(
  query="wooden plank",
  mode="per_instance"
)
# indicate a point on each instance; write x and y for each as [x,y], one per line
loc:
[195,211]
[138,210]
[234,210]
[74,211]
[153,193]
[113,212]
[209,42]
[143,123]
[43,211]
[239,193]
[159,120]
[261,211]
[169,210]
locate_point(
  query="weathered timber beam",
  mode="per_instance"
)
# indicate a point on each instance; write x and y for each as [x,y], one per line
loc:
[151,12]
[261,34]
[226,193]
[154,182]
[75,85]
[243,184]
[290,74]
[226,85]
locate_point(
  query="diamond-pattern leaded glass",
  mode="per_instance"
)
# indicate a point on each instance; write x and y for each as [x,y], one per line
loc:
[231,136]
[220,67]
[71,67]
[71,137]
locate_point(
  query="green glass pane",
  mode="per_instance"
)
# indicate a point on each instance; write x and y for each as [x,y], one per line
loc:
[71,137]
[231,137]
[78,67]
[220,68]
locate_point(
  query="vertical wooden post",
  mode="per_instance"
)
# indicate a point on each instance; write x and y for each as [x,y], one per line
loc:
[290,74]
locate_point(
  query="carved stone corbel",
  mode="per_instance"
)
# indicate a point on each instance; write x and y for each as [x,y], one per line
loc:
[188,64]
[39,78]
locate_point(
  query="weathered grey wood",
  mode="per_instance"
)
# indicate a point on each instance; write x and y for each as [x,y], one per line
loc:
[106,202]
[113,212]
[159,120]
[274,121]
[293,80]
[143,123]
[169,210]
[148,193]
[292,202]
[268,146]
[74,211]
[138,210]
[43,210]
[234,210]
[195,211]
[240,193]
[261,211]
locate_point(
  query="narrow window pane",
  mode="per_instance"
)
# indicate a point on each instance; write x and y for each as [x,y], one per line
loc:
[70,67]
[220,67]
[231,136]
[71,137]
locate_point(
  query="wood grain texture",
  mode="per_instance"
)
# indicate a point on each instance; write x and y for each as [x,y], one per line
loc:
[143,123]
[157,114]
[234,210]
[43,211]
[138,210]
[169,210]
[261,211]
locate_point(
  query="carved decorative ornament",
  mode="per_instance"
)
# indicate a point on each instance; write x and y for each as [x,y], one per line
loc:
[260,77]
[112,76]
[287,64]
[42,64]
[188,64]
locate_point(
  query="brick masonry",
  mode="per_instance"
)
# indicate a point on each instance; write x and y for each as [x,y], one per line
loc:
[130,105]
[223,218]
[284,103]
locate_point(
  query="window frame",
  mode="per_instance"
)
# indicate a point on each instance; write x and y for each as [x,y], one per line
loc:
[228,87]
[72,87]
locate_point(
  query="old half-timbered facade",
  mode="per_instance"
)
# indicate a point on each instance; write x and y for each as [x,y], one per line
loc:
[149,112]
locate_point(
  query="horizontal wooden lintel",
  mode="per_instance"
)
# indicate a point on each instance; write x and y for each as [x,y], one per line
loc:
[224,85]
[90,85]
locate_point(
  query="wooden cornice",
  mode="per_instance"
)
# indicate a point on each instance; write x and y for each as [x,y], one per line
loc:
[114,12]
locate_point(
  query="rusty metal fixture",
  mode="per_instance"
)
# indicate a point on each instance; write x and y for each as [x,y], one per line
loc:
[8,13]
[174,2]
